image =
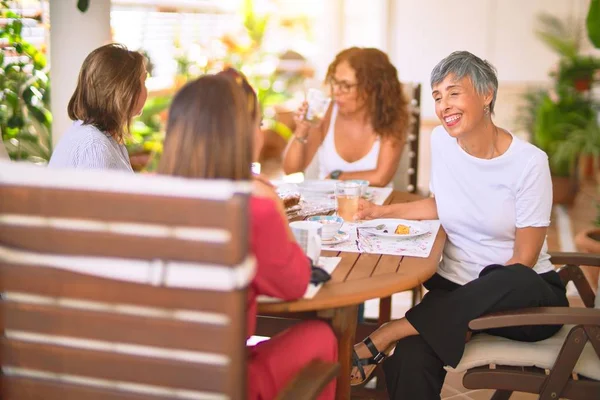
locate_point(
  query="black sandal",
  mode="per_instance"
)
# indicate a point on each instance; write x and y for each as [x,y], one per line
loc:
[360,363]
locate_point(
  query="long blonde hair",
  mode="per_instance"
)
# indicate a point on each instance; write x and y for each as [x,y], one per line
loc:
[209,132]
[108,88]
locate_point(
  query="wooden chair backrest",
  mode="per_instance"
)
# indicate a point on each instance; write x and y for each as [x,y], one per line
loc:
[406,177]
[122,287]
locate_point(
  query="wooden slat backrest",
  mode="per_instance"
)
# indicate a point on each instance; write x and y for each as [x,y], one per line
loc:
[413,137]
[406,175]
[122,287]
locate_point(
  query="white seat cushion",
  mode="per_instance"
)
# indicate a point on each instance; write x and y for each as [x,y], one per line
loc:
[486,349]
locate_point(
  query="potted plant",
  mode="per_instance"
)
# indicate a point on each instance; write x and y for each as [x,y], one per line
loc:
[555,121]
[274,76]
[25,118]
[562,120]
[578,71]
[147,134]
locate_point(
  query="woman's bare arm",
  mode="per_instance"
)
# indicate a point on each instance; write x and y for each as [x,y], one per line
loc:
[387,164]
[417,210]
[298,155]
[528,244]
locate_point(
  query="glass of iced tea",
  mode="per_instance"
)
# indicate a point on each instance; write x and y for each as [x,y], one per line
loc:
[347,195]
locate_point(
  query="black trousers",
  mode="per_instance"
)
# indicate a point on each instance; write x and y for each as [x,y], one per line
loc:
[416,369]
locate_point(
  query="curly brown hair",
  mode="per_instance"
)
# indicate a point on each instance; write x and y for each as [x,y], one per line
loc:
[377,81]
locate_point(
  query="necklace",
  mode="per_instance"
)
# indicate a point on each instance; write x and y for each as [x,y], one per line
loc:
[492,150]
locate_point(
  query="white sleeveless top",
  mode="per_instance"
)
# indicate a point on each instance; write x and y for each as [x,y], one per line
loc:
[330,160]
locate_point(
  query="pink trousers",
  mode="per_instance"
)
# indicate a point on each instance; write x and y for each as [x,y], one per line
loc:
[274,363]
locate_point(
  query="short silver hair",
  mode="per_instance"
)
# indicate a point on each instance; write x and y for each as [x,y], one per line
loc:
[464,64]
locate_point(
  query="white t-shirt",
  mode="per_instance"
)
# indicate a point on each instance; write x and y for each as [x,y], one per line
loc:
[480,203]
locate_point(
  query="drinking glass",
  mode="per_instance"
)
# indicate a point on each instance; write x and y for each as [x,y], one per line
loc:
[318,103]
[347,195]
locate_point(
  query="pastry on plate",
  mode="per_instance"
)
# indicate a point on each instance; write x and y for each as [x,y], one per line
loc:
[290,201]
[402,230]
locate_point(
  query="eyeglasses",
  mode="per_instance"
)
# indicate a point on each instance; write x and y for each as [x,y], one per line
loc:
[342,86]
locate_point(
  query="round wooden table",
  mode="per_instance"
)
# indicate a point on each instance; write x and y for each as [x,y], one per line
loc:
[358,278]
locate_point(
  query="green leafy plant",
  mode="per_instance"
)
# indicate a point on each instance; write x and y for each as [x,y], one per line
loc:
[565,38]
[147,132]
[245,52]
[583,139]
[578,72]
[25,118]
[563,119]
[593,22]
[83,5]
[526,116]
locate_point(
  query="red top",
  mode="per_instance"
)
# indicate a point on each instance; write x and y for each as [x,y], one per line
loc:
[282,269]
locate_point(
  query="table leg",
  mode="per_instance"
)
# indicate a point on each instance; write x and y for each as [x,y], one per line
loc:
[385,310]
[344,323]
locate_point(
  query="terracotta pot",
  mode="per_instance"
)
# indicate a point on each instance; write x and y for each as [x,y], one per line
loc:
[564,190]
[587,166]
[582,84]
[139,160]
[588,241]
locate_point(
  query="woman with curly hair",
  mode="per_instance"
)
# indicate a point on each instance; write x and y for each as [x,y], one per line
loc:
[363,132]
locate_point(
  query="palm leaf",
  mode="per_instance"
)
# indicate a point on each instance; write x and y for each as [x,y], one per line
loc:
[593,23]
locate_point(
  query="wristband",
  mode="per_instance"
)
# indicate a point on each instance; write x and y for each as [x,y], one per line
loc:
[302,140]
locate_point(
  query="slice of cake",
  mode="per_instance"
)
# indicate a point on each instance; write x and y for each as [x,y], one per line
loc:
[402,230]
[290,201]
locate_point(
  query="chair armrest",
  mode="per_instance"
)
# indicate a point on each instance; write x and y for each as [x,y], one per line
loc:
[310,381]
[561,258]
[538,316]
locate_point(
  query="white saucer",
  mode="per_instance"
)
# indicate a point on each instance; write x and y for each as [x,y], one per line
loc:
[338,238]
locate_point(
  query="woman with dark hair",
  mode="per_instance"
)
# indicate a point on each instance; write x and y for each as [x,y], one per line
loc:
[110,92]
[363,133]
[211,135]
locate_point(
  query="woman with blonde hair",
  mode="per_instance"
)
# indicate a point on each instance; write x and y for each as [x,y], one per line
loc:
[363,133]
[110,92]
[211,133]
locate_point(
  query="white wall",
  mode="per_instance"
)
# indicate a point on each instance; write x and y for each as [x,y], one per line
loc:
[501,31]
[73,35]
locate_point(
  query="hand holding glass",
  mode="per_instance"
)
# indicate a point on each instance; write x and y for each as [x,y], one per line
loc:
[318,103]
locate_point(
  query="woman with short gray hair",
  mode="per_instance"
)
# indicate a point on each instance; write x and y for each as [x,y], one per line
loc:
[493,197]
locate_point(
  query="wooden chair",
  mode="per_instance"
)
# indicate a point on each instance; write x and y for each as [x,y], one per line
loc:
[566,365]
[123,287]
[407,176]
[411,155]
